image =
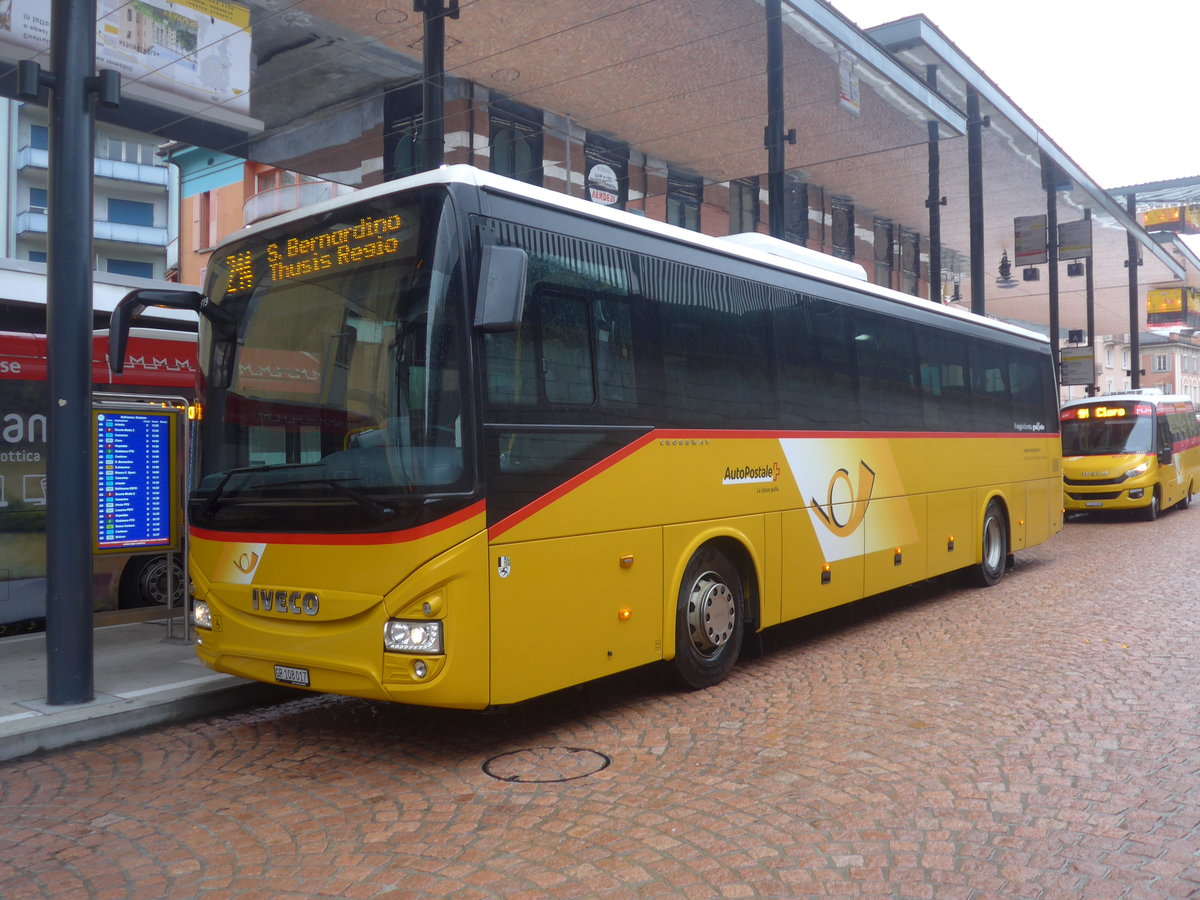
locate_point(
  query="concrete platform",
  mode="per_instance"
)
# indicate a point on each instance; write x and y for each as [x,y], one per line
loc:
[142,676]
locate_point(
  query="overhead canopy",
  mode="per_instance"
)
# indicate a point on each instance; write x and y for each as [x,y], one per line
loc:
[683,81]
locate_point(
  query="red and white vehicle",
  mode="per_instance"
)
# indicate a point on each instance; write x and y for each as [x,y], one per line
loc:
[158,363]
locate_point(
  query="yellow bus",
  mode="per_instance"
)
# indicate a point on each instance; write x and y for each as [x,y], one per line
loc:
[466,442]
[1135,451]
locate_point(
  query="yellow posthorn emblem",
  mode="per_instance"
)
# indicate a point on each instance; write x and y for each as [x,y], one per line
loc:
[858,504]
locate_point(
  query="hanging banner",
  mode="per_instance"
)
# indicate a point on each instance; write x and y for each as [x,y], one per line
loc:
[1075,239]
[1077,365]
[197,49]
[850,92]
[1029,240]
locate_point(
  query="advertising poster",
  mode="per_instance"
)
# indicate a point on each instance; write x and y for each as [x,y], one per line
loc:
[198,49]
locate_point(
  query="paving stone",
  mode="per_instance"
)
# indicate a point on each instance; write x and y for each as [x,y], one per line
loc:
[1034,739]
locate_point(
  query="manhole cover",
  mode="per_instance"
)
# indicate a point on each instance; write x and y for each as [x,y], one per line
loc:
[544,764]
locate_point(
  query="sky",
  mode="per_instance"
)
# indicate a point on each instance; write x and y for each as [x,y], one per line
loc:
[1113,84]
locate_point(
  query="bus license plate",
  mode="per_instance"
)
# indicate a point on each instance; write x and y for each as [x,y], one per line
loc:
[291,675]
[1094,503]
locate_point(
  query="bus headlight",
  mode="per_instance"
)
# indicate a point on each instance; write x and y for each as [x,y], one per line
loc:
[406,636]
[1136,471]
[201,615]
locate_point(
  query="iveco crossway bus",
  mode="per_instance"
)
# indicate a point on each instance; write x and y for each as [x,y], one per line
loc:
[466,441]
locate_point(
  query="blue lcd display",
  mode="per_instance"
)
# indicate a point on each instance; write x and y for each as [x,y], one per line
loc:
[134,474]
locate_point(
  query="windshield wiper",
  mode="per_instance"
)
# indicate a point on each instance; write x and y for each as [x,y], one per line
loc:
[370,504]
[381,510]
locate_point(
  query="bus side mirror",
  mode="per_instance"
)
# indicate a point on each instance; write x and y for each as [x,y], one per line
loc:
[1165,455]
[501,301]
[134,304]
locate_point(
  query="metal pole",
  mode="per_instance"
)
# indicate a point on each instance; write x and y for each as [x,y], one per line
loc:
[774,137]
[975,198]
[433,90]
[1050,177]
[69,646]
[1135,340]
[1090,291]
[935,201]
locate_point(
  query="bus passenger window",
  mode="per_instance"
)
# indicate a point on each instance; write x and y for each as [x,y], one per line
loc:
[566,350]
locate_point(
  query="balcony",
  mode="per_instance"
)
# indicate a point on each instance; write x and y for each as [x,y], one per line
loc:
[116,170]
[292,196]
[36,221]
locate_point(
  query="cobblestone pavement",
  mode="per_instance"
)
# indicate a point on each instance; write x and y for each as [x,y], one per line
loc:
[1038,739]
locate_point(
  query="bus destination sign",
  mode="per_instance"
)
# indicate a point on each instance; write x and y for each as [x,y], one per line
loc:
[298,257]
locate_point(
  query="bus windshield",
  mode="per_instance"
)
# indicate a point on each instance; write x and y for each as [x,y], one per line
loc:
[342,359]
[1108,428]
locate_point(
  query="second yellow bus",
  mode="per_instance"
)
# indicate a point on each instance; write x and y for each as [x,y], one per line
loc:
[1130,451]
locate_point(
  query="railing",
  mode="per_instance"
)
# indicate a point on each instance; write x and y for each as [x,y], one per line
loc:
[291,196]
[117,170]
[35,221]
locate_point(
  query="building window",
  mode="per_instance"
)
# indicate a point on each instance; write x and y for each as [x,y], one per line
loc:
[204,220]
[910,262]
[743,205]
[884,252]
[39,137]
[38,200]
[516,141]
[131,267]
[273,179]
[1161,363]
[129,151]
[130,212]
[1125,358]
[403,149]
[684,195]
[407,156]
[795,209]
[37,256]
[1108,356]
[843,227]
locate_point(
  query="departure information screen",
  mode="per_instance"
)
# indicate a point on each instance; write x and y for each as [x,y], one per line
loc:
[135,478]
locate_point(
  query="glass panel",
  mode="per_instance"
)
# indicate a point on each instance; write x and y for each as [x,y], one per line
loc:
[130,212]
[886,356]
[566,350]
[345,404]
[947,400]
[1096,430]
[131,267]
[991,406]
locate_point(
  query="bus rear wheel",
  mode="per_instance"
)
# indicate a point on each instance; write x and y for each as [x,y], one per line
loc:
[994,546]
[709,619]
[144,582]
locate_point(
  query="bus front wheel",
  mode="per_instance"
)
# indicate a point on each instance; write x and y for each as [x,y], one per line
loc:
[994,545]
[709,619]
[1153,508]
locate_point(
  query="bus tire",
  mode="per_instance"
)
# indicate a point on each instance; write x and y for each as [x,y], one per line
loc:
[710,619]
[1186,502]
[993,545]
[144,582]
[1153,508]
